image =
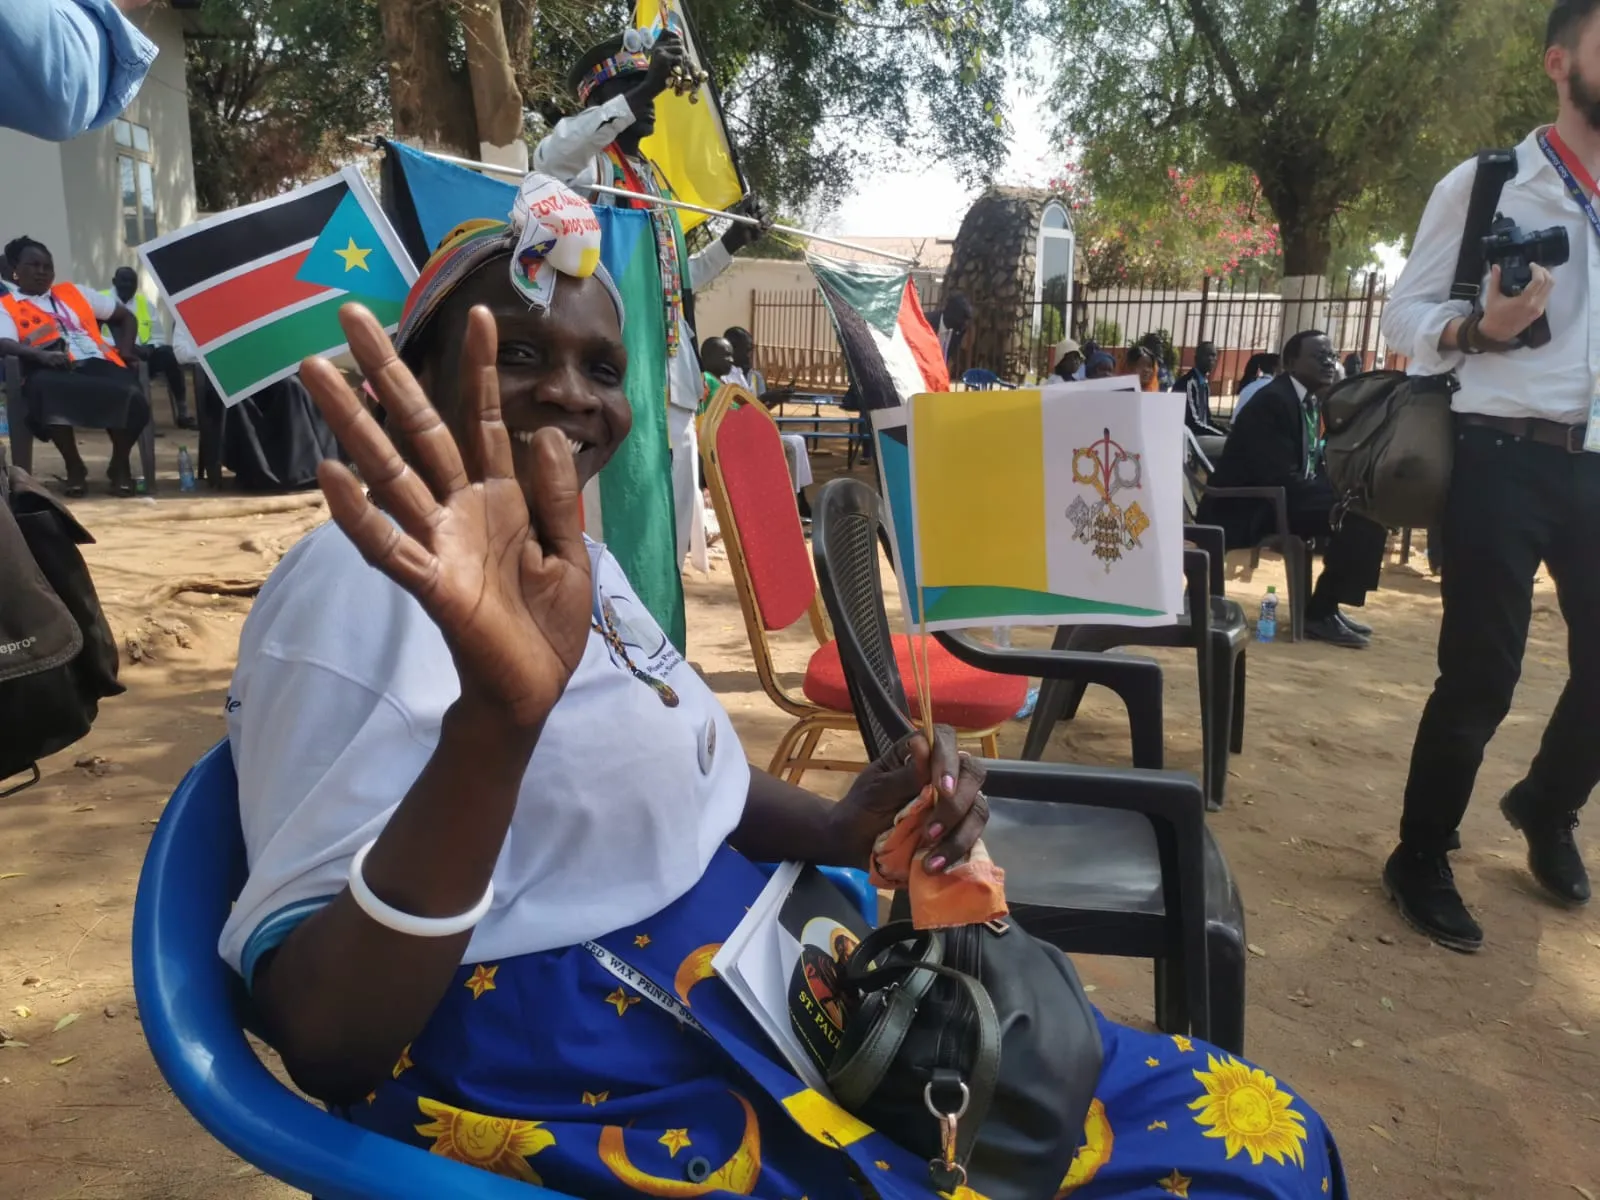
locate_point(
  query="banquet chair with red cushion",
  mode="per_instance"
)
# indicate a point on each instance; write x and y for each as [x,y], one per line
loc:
[749,481]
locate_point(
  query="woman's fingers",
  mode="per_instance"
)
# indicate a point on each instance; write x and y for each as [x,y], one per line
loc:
[381,542]
[489,440]
[945,767]
[415,419]
[402,492]
[957,840]
[555,511]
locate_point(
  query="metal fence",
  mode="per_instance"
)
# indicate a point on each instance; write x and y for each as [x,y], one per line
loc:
[795,342]
[797,346]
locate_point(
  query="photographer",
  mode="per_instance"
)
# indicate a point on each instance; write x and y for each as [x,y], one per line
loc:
[1523,491]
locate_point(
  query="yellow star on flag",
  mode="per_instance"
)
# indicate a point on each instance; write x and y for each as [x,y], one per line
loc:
[642,940]
[405,1061]
[1152,1062]
[1176,1184]
[596,1099]
[354,256]
[1184,1045]
[1155,1125]
[482,980]
[622,1000]
[674,1140]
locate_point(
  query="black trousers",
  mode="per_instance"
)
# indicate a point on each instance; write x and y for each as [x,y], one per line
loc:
[1353,558]
[1513,503]
[165,362]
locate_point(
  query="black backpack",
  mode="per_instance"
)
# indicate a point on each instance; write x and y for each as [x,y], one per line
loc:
[1390,437]
[58,659]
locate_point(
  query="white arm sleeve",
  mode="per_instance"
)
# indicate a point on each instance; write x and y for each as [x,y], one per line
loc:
[102,304]
[569,150]
[1420,307]
[708,264]
[323,761]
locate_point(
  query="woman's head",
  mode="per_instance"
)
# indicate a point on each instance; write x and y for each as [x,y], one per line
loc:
[31,264]
[1143,362]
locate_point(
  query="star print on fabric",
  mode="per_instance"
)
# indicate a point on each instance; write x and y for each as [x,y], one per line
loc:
[371,1096]
[675,1140]
[1176,1184]
[404,1063]
[622,1000]
[1155,1125]
[642,940]
[354,257]
[1152,1062]
[596,1099]
[1184,1045]
[881,1165]
[1324,1185]
[482,980]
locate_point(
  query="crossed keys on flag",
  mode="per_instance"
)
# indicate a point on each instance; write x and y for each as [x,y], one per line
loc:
[1104,525]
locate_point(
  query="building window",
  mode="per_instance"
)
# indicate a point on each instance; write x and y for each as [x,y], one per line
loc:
[1052,277]
[137,181]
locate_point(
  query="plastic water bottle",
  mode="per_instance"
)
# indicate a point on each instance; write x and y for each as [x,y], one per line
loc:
[5,423]
[185,470]
[1267,625]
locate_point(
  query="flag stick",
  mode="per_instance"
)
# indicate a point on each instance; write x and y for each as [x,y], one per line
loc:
[739,218]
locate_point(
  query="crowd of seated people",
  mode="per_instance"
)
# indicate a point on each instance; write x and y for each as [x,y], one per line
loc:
[731,359]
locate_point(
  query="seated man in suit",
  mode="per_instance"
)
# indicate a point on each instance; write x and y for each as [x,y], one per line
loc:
[1277,442]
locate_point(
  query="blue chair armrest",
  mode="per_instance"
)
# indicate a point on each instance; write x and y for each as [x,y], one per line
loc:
[855,885]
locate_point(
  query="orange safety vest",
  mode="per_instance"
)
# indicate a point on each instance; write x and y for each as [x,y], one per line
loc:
[37,328]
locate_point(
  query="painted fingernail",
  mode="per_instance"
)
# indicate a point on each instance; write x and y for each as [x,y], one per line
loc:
[936,864]
[935,832]
[949,784]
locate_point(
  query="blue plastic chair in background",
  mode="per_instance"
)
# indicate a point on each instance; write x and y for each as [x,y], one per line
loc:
[980,379]
[195,1011]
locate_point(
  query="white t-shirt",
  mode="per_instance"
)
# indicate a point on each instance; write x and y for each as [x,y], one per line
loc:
[79,344]
[336,706]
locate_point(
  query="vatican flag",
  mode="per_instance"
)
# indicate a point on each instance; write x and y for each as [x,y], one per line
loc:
[690,143]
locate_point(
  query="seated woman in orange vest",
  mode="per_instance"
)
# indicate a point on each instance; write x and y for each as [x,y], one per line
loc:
[72,377]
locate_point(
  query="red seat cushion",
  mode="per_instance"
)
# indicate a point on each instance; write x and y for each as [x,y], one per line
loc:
[963,696]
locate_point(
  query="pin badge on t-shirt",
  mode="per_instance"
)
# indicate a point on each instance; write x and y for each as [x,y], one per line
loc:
[708,745]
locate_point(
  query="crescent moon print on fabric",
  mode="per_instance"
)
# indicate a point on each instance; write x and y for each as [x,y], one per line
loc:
[738,1175]
[693,969]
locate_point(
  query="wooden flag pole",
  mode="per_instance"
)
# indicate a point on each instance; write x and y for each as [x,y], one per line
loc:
[622,193]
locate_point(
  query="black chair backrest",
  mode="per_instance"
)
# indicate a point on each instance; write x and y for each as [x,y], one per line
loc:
[846,527]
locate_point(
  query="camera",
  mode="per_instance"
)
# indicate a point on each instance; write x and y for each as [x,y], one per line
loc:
[1515,253]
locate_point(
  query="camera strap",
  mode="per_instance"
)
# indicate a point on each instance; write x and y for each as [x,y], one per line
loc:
[1494,170]
[1580,184]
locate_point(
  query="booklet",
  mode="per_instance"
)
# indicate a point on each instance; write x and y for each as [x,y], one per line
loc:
[784,962]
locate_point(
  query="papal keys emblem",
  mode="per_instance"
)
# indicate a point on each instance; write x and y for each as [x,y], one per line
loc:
[1104,525]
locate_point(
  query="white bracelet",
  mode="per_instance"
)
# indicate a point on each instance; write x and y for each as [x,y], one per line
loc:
[393,918]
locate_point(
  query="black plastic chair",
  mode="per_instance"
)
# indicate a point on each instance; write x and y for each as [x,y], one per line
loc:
[1212,625]
[22,435]
[1099,860]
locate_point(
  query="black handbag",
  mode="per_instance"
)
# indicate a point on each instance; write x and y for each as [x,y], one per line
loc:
[974,1047]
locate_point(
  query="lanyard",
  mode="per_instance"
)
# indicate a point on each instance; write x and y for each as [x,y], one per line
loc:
[1580,184]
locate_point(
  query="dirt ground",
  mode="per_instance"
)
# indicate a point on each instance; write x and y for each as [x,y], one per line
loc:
[1441,1075]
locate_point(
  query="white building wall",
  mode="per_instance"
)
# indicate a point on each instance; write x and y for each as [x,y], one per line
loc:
[33,199]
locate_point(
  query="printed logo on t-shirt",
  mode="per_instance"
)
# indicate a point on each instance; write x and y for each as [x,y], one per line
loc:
[644,647]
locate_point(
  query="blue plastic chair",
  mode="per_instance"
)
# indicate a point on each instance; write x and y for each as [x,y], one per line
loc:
[195,1010]
[984,380]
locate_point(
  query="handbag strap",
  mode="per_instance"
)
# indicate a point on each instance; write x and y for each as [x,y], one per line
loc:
[854,1082]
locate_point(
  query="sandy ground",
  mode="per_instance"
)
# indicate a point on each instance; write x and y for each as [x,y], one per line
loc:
[1442,1075]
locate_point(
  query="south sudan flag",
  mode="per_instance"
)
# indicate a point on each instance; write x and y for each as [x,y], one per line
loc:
[259,288]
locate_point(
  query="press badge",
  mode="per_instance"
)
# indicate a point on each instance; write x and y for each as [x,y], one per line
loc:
[1591,436]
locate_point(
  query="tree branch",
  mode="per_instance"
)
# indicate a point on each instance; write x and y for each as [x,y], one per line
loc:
[1205,23]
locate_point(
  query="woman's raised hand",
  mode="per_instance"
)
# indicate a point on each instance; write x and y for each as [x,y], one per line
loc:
[512,595]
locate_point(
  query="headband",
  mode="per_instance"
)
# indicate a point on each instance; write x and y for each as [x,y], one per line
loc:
[552,231]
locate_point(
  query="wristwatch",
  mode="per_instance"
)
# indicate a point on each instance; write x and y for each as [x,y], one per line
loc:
[1471,340]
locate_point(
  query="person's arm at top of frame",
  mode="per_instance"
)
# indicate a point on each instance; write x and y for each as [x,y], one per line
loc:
[70,65]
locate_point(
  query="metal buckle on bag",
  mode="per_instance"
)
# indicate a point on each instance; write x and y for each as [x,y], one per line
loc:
[949,1129]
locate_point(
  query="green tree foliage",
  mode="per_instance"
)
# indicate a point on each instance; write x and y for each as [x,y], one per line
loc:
[274,86]
[1344,111]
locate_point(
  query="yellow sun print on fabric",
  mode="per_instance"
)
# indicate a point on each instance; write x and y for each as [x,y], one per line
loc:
[675,1140]
[1245,1107]
[1094,1153]
[355,258]
[491,1143]
[482,980]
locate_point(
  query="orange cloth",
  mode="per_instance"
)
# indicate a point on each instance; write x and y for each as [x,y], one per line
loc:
[969,894]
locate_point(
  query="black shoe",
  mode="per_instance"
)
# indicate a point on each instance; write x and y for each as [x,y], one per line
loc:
[1353,625]
[1335,632]
[185,421]
[1552,851]
[1424,888]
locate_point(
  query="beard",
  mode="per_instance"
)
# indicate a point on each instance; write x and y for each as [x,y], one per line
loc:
[1585,96]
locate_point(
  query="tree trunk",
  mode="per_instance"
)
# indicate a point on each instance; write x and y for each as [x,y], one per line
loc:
[496,99]
[430,101]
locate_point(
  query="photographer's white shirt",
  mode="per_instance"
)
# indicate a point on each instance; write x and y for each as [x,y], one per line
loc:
[1557,380]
